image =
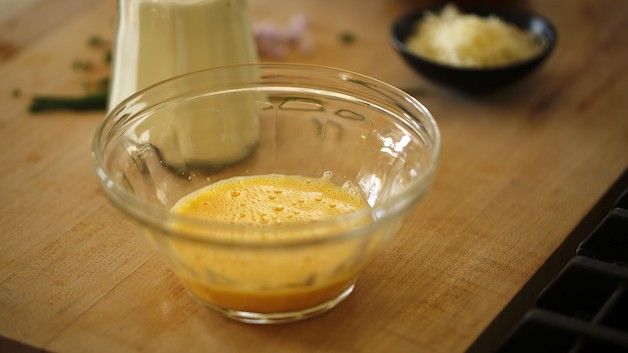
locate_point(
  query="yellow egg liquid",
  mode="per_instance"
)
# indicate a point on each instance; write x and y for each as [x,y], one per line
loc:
[272,280]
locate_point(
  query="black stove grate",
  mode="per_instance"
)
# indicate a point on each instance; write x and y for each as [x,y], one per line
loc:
[585,308]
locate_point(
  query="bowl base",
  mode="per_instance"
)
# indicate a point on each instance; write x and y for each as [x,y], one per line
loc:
[278,318]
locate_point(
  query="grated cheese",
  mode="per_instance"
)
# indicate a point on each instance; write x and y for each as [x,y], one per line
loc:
[468,40]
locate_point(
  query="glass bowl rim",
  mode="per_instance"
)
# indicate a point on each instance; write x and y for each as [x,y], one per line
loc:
[161,218]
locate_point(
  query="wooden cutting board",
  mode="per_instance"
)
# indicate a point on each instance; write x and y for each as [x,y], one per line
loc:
[519,170]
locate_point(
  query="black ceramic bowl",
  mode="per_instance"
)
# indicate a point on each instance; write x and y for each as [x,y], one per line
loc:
[476,80]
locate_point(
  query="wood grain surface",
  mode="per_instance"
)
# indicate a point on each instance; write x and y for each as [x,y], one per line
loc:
[519,169]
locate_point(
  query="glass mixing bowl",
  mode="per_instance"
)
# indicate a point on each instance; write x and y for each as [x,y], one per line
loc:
[183,134]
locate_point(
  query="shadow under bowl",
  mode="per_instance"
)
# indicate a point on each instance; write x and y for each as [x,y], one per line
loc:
[476,80]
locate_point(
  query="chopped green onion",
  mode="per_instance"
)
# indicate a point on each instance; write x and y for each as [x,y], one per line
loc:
[96,101]
[347,37]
